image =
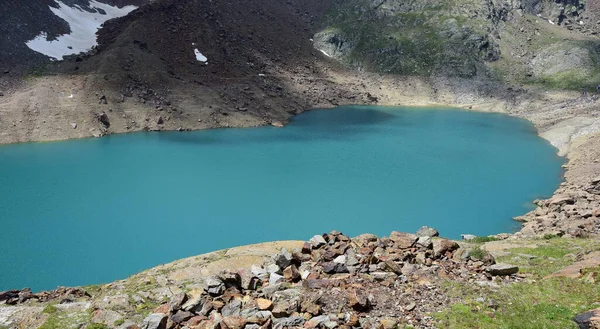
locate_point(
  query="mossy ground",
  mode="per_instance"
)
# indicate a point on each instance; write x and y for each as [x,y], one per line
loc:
[537,302]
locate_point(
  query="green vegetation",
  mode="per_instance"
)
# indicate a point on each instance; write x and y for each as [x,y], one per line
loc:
[50,309]
[64,320]
[97,326]
[483,239]
[119,322]
[535,303]
[477,253]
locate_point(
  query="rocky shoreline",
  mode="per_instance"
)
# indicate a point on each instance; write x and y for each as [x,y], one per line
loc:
[331,281]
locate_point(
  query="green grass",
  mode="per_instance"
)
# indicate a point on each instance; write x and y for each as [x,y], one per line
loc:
[483,239]
[550,303]
[50,309]
[477,253]
[533,304]
[64,320]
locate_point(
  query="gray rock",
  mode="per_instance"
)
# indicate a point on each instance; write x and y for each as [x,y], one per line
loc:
[502,269]
[289,321]
[351,258]
[273,268]
[426,231]
[317,241]
[214,286]
[332,267]
[155,321]
[341,259]
[283,259]
[73,125]
[177,301]
[232,308]
[275,278]
[424,241]
[181,316]
[259,272]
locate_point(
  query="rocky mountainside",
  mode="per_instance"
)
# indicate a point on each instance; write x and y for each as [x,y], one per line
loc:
[24,20]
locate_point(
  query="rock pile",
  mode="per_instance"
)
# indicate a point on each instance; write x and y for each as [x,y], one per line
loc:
[573,211]
[63,294]
[334,281]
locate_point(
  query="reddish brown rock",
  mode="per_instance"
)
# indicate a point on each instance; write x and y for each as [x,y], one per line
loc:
[403,240]
[263,304]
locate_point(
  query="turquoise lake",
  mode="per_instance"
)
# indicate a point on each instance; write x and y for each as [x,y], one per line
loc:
[95,210]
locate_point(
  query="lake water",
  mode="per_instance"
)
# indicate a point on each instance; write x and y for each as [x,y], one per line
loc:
[96,210]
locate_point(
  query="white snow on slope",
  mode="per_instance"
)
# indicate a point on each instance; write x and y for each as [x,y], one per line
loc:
[84,26]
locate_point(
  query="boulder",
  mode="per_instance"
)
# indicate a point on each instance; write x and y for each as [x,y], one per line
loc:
[426,231]
[317,241]
[181,316]
[502,269]
[263,304]
[283,259]
[232,308]
[291,273]
[589,319]
[358,300]
[177,301]
[333,267]
[214,286]
[424,241]
[275,278]
[292,321]
[230,279]
[403,240]
[234,322]
[441,246]
[155,321]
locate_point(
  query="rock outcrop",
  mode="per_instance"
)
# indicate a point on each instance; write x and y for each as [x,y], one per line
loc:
[572,211]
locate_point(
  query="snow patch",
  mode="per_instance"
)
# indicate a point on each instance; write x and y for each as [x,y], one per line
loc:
[325,53]
[83,25]
[199,56]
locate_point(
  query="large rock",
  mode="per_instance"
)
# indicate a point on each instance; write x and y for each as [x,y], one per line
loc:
[155,321]
[589,319]
[317,241]
[214,286]
[502,269]
[403,240]
[283,259]
[358,300]
[442,246]
[426,231]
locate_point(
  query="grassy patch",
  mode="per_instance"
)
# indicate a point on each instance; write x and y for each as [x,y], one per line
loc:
[548,304]
[477,253]
[537,303]
[50,309]
[484,239]
[64,320]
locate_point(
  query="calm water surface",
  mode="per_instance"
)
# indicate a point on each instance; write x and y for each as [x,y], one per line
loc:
[95,210]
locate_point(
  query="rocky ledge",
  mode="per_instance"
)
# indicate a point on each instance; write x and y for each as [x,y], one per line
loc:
[573,211]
